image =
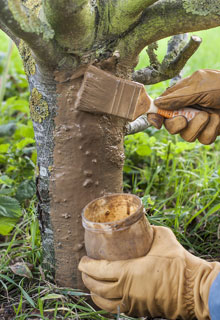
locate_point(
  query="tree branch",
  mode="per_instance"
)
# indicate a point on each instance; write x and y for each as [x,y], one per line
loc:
[133,8]
[8,21]
[122,14]
[18,22]
[175,45]
[9,33]
[163,19]
[27,19]
[154,62]
[73,22]
[172,63]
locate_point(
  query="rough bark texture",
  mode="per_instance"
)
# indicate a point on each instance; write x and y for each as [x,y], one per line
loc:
[88,160]
[80,155]
[43,110]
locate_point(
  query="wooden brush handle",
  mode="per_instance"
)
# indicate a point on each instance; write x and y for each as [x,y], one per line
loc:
[188,113]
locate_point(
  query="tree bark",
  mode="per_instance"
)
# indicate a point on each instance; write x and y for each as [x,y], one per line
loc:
[80,157]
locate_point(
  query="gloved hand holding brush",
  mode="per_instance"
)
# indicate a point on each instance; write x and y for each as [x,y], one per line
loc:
[102,92]
[202,89]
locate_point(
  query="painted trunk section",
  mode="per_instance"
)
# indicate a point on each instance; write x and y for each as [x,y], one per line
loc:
[80,158]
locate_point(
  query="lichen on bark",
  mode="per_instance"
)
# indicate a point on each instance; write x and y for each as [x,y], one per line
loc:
[28,60]
[38,106]
[202,7]
[34,5]
[28,21]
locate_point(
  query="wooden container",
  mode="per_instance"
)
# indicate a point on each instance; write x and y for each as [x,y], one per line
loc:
[116,228]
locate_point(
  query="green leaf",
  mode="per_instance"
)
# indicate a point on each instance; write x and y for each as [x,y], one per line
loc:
[21,105]
[26,190]
[4,179]
[7,225]
[9,207]
[3,159]
[6,191]
[7,130]
[141,136]
[34,157]
[127,168]
[3,211]
[24,131]
[147,201]
[4,147]
[143,150]
[23,143]
[13,104]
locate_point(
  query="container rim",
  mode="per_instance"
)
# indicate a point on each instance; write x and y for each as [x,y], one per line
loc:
[113,225]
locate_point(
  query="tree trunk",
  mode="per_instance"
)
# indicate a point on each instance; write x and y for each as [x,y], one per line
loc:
[80,157]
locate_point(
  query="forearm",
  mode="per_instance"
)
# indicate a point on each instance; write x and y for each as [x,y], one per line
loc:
[214,298]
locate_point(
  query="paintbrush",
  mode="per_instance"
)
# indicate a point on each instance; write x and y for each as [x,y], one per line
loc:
[102,92]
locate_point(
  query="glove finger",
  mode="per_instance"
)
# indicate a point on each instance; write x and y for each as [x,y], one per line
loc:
[109,305]
[155,119]
[104,289]
[176,124]
[101,269]
[209,134]
[195,126]
[202,87]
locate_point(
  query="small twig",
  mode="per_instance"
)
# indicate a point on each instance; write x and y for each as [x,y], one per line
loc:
[171,66]
[185,54]
[174,47]
[175,44]
[154,62]
[3,79]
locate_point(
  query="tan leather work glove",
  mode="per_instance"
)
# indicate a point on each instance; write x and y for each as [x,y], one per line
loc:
[201,88]
[167,282]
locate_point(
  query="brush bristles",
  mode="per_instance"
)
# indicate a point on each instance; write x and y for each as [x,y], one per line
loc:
[102,92]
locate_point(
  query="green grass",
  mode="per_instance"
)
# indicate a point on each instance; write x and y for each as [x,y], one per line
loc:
[178,182]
